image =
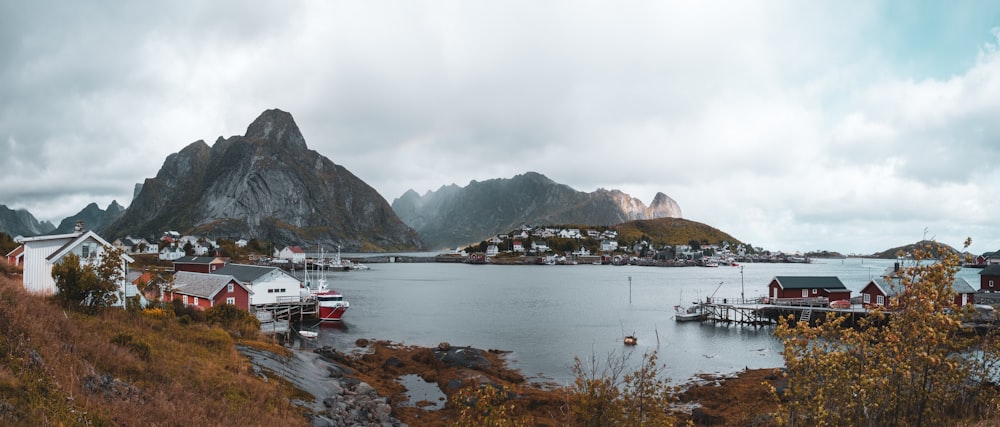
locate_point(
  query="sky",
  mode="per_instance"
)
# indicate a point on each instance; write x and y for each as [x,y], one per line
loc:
[794,126]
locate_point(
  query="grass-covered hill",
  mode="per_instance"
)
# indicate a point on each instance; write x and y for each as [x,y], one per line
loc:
[126,368]
[935,249]
[672,231]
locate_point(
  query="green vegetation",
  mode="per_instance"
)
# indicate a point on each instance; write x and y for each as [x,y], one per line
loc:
[910,365]
[7,244]
[936,251]
[658,233]
[672,231]
[88,285]
[118,367]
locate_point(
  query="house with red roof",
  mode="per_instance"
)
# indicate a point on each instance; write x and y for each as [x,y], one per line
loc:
[294,254]
[16,256]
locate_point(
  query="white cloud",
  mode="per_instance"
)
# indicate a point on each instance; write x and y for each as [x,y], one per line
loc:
[761,119]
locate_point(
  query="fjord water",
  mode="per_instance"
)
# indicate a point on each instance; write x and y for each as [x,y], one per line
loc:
[547,315]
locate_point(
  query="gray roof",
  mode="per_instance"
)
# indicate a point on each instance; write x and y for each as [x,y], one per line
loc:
[991,270]
[961,286]
[202,285]
[894,286]
[890,286]
[832,283]
[245,273]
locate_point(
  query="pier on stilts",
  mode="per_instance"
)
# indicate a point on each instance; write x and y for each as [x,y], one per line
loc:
[276,317]
[769,311]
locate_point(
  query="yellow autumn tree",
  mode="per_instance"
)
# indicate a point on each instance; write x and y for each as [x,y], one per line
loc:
[909,364]
[610,395]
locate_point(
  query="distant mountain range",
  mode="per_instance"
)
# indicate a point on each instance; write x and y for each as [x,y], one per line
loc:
[268,184]
[22,223]
[93,218]
[453,215]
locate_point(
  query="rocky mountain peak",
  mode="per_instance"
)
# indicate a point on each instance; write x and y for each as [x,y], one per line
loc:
[665,207]
[265,185]
[278,127]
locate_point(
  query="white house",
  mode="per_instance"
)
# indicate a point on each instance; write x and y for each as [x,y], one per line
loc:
[518,246]
[268,285]
[43,252]
[609,245]
[170,253]
[492,250]
[294,254]
[242,243]
[571,233]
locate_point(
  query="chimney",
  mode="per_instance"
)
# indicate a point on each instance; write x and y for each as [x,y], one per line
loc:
[79,227]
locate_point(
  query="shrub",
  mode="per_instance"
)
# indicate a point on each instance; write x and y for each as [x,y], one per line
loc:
[135,345]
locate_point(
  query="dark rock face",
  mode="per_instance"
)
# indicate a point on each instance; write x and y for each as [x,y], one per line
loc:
[453,215]
[22,223]
[267,184]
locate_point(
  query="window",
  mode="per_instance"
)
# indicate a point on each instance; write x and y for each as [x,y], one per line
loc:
[185,299]
[195,300]
[867,298]
[231,300]
[231,288]
[85,250]
[814,292]
[880,300]
[805,293]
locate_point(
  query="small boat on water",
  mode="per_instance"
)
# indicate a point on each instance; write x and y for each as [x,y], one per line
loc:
[308,334]
[631,340]
[688,314]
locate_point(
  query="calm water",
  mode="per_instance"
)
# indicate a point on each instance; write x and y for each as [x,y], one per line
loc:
[547,315]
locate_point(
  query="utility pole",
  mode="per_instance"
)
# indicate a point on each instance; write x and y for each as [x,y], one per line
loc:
[743,297]
[630,290]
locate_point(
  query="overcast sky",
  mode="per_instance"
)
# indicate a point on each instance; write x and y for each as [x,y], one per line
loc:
[791,125]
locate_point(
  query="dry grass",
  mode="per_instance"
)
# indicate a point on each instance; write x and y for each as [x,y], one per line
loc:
[121,368]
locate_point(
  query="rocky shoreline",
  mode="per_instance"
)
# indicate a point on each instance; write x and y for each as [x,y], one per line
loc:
[364,387]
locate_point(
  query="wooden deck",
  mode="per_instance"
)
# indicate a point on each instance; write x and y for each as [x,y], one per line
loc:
[768,311]
[275,318]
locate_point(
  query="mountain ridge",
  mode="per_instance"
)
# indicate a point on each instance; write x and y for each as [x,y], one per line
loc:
[453,215]
[266,184]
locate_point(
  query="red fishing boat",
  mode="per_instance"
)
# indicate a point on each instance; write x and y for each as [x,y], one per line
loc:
[332,305]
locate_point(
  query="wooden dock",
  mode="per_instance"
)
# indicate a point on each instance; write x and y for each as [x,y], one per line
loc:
[276,317]
[769,311]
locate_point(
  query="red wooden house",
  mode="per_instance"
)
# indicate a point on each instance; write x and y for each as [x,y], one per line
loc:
[989,279]
[830,287]
[16,256]
[200,264]
[881,291]
[203,290]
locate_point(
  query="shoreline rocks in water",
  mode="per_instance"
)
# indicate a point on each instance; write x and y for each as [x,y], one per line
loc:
[365,387]
[339,399]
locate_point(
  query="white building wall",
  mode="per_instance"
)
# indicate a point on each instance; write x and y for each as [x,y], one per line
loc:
[37,270]
[263,289]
